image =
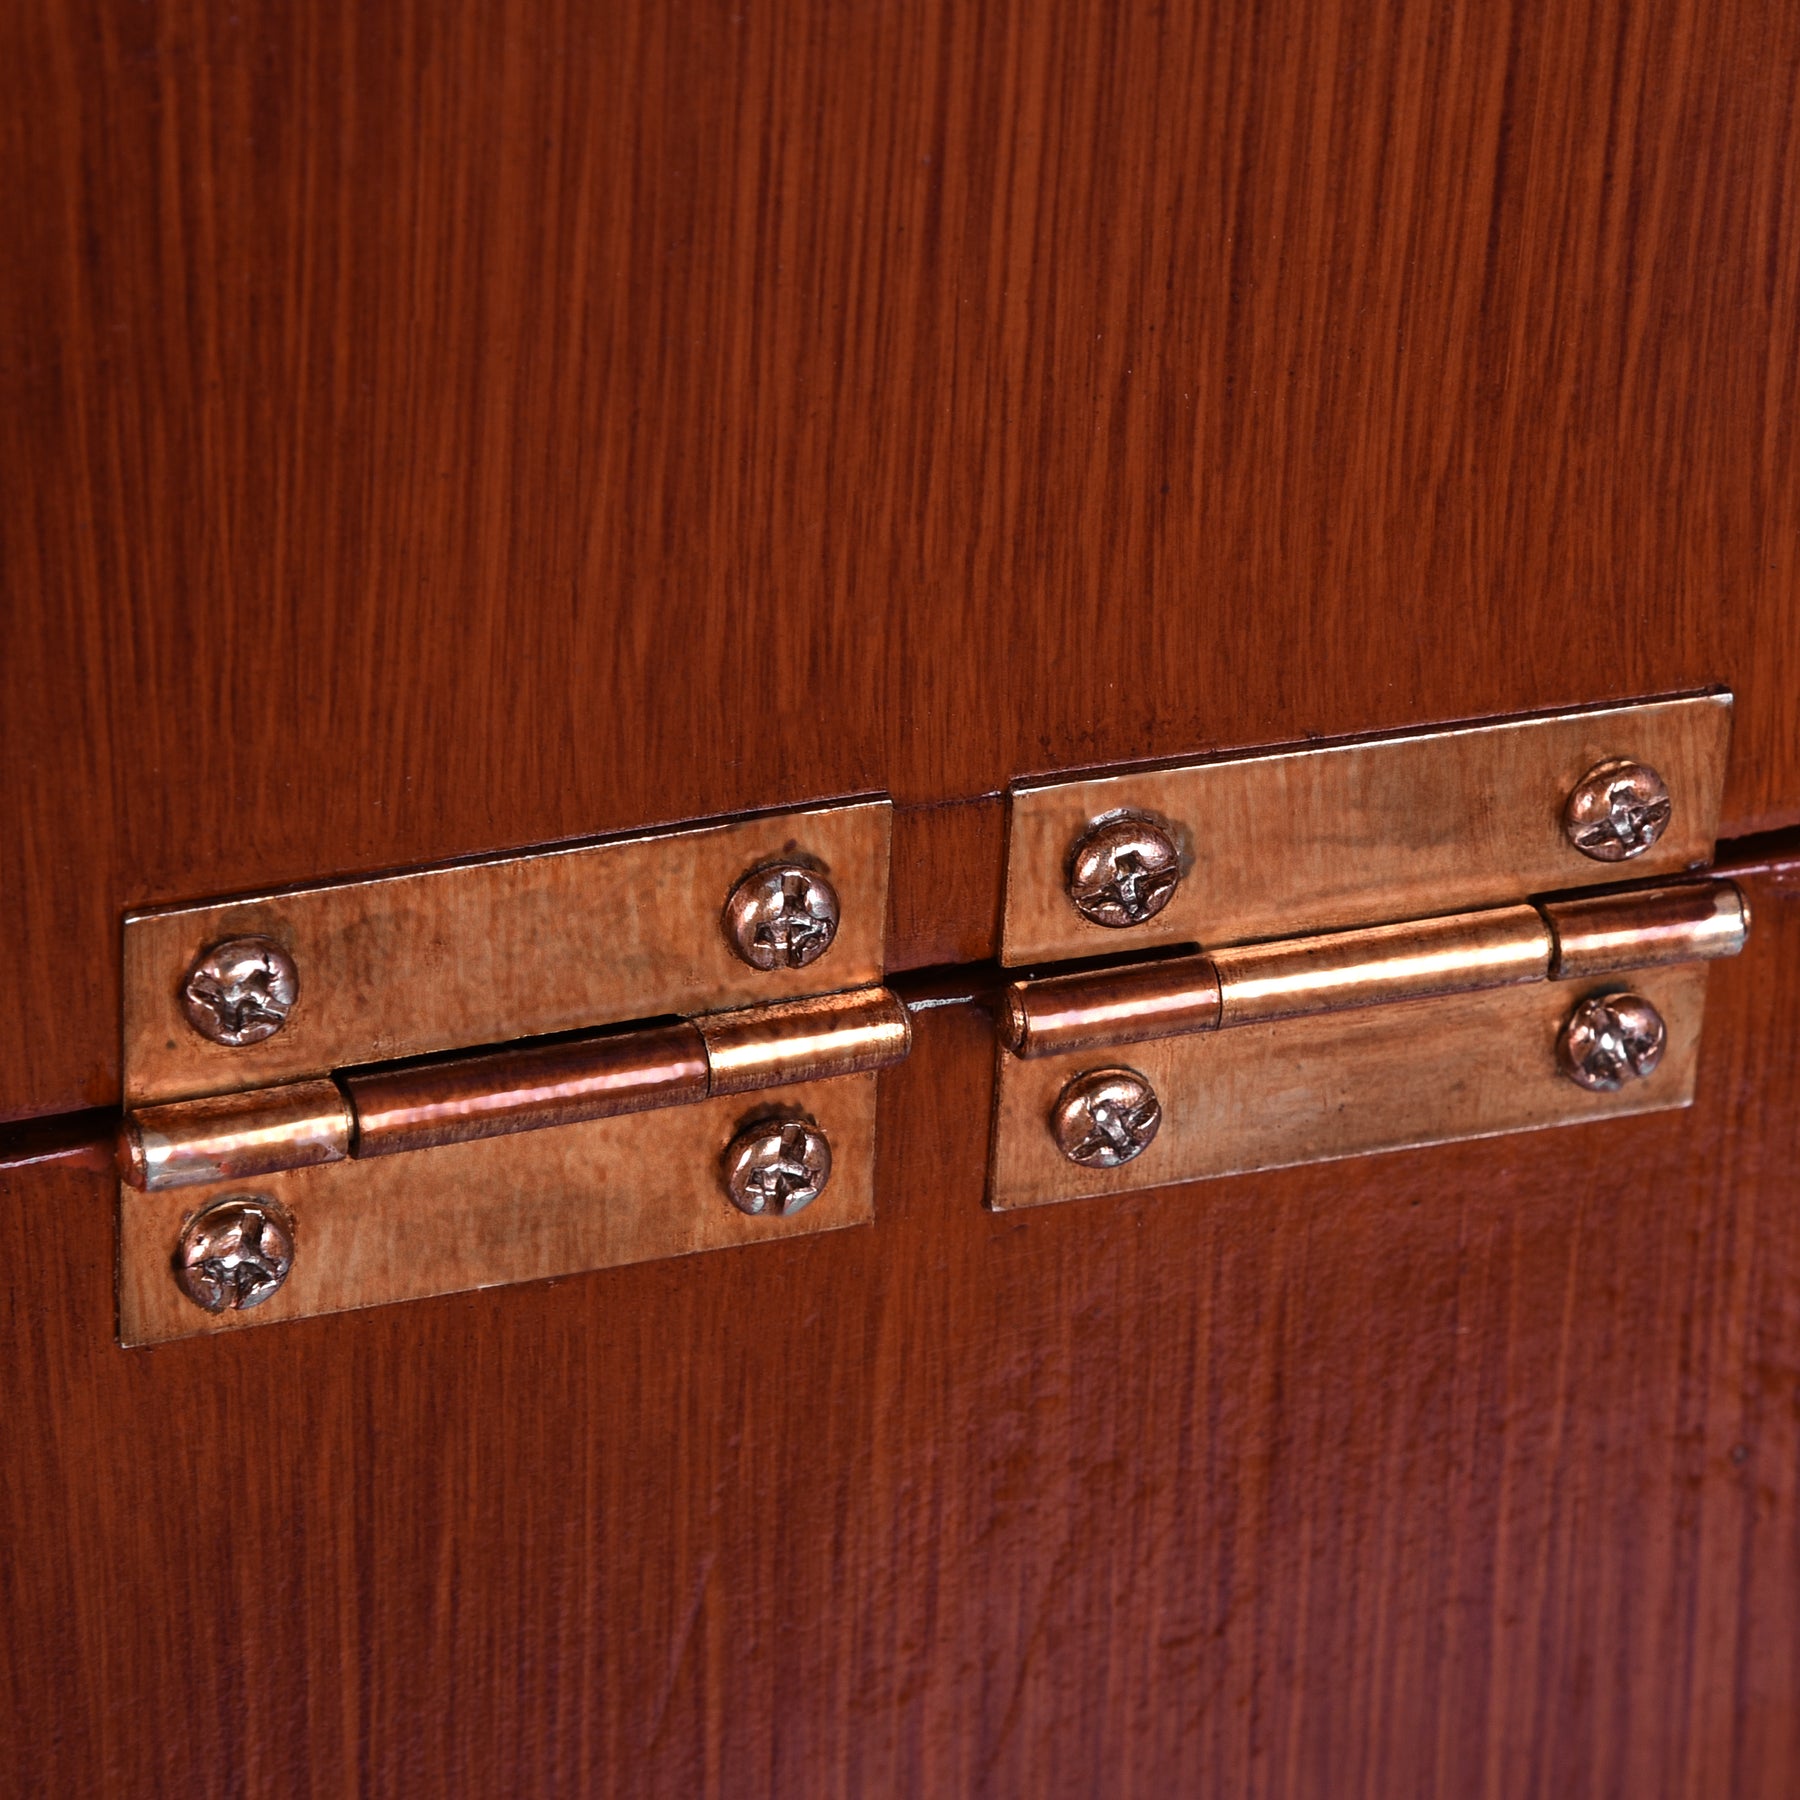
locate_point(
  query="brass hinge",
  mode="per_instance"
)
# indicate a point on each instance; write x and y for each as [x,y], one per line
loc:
[1419,959]
[524,1087]
[696,1018]
[1369,1027]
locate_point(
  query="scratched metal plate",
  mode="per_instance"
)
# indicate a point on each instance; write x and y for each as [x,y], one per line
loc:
[501,1210]
[506,947]
[1324,836]
[1341,1084]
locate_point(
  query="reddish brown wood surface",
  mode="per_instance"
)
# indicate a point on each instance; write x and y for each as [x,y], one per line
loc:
[432,428]
[1464,1471]
[435,428]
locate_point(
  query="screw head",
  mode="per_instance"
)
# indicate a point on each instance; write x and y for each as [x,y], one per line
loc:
[1618,809]
[775,1167]
[235,1253]
[1105,1118]
[240,991]
[1611,1039]
[782,917]
[1123,871]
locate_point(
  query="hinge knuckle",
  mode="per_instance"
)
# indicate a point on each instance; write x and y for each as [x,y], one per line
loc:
[235,1137]
[1605,934]
[529,1087]
[1416,959]
[804,1040]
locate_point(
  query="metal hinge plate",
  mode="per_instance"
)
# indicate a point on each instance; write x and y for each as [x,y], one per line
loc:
[498,948]
[500,1070]
[590,1195]
[1332,1085]
[1323,836]
[1379,958]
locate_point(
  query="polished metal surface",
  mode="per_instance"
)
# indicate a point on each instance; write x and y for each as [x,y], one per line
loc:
[1123,871]
[240,991]
[597,1194]
[1371,1078]
[1325,837]
[563,939]
[528,1088]
[235,1253]
[804,1040]
[776,1167]
[1105,1117]
[1611,1039]
[1378,965]
[234,1137]
[1617,810]
[782,917]
[1414,960]
[1602,934]
[1111,1006]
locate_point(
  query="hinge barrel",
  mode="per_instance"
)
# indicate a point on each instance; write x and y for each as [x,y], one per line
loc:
[1604,934]
[1500,947]
[527,1087]
[804,1040]
[1417,960]
[235,1137]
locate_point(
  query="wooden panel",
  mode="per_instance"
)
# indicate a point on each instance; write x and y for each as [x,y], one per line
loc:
[1470,1470]
[436,428]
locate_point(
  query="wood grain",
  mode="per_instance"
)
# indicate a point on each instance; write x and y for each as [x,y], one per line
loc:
[439,428]
[1462,1471]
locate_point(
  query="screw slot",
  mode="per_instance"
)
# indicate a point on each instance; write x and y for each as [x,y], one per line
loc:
[783,916]
[1609,1040]
[776,1167]
[235,1254]
[241,991]
[1123,871]
[1105,1117]
[1617,810]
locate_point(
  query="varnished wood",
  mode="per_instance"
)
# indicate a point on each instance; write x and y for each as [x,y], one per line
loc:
[428,430]
[1444,1472]
[434,429]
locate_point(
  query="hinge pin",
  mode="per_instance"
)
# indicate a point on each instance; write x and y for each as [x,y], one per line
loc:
[1557,940]
[528,1087]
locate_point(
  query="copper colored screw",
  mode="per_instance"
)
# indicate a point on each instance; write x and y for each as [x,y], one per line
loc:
[1123,871]
[1611,1039]
[1105,1118]
[235,1254]
[782,917]
[775,1167]
[240,991]
[1618,809]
